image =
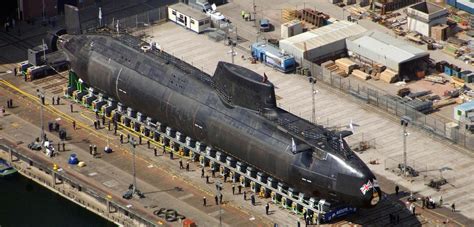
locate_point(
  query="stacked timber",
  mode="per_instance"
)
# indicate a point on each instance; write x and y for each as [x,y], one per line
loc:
[346,65]
[361,75]
[288,15]
[389,76]
[334,69]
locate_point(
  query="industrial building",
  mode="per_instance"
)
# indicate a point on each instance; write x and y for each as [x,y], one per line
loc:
[465,5]
[321,43]
[424,15]
[188,17]
[376,47]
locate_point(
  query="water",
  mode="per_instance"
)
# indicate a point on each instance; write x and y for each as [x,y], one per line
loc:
[25,203]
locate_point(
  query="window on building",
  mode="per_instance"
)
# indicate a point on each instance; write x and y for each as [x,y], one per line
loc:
[173,12]
[192,21]
[201,23]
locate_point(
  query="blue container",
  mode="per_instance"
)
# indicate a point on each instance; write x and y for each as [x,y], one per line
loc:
[455,73]
[73,159]
[447,70]
[451,2]
[469,78]
[464,7]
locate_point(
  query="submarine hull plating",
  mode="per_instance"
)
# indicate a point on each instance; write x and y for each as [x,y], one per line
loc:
[242,121]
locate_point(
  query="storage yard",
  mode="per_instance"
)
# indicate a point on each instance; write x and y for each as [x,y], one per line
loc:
[362,77]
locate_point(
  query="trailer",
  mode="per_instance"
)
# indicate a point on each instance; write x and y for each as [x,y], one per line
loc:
[188,17]
[271,56]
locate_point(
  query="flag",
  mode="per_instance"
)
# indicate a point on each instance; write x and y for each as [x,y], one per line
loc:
[366,187]
[293,145]
[351,126]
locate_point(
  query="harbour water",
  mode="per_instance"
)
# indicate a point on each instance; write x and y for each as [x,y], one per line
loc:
[25,203]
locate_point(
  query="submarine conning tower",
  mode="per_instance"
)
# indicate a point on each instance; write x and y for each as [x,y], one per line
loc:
[239,86]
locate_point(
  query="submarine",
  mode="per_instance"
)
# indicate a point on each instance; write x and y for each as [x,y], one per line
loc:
[234,111]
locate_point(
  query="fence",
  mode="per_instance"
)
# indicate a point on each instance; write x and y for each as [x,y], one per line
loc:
[133,22]
[391,104]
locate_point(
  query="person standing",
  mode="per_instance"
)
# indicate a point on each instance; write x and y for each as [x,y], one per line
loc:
[233,189]
[57,100]
[453,207]
[396,190]
[202,172]
[74,125]
[155,151]
[187,166]
[252,199]
[90,149]
[220,198]
[52,100]
[207,179]
[240,188]
[216,199]
[204,201]
[70,106]
[181,164]
[267,208]
[245,195]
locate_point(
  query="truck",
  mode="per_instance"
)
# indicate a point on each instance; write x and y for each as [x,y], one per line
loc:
[202,5]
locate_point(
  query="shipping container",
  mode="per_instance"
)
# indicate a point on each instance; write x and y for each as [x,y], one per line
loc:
[447,70]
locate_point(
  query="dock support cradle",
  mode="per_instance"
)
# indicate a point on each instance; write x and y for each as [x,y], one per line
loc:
[238,172]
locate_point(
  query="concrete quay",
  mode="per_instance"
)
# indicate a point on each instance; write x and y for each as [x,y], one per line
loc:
[334,109]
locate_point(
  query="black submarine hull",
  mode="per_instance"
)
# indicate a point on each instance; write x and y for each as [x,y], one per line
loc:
[234,112]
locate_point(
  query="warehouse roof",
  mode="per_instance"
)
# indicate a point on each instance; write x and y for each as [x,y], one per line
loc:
[324,35]
[189,11]
[381,44]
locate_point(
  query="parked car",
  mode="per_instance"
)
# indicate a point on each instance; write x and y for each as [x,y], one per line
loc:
[264,25]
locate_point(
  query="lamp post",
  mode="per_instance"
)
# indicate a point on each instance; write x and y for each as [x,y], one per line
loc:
[404,122]
[41,96]
[313,93]
[218,188]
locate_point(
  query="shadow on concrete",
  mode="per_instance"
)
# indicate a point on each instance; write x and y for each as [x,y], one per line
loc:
[178,189]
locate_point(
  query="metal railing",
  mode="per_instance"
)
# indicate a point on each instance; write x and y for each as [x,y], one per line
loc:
[137,21]
[99,196]
[386,102]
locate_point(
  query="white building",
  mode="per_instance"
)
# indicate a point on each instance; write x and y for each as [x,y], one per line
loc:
[321,43]
[398,55]
[424,15]
[188,17]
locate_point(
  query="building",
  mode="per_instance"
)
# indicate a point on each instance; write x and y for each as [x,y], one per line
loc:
[188,17]
[465,5]
[321,43]
[424,15]
[398,55]
[464,112]
[384,6]
[271,56]
[291,28]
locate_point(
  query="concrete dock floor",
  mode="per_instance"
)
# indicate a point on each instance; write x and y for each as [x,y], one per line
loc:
[334,109]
